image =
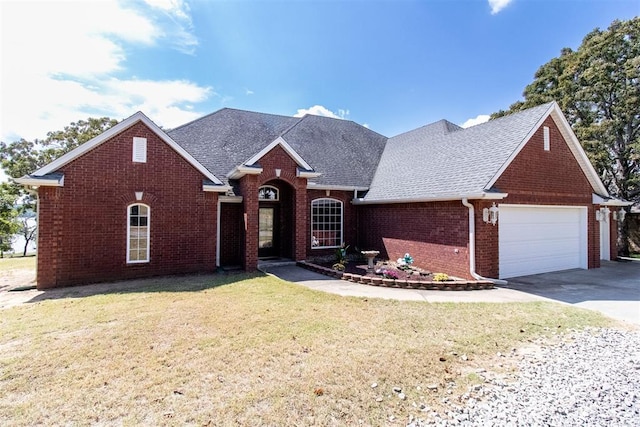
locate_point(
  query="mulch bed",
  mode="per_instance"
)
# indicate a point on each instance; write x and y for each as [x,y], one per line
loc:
[361,269]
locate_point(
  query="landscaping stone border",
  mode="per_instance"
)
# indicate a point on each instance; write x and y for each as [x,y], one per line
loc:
[449,285]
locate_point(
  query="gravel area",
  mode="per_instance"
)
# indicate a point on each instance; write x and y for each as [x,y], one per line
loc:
[589,378]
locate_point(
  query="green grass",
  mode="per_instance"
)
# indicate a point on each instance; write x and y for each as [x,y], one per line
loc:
[636,255]
[17,263]
[250,350]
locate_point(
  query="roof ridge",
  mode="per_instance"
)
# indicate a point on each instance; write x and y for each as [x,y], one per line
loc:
[198,119]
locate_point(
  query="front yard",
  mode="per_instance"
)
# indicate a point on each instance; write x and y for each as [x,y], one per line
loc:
[252,350]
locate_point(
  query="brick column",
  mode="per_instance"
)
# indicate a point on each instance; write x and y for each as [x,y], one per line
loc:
[301,219]
[249,188]
[50,235]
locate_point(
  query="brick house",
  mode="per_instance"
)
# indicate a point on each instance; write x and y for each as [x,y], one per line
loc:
[510,197]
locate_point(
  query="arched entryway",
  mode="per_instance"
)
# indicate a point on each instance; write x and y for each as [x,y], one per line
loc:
[276,220]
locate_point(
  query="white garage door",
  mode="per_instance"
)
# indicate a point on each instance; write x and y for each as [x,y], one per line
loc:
[538,239]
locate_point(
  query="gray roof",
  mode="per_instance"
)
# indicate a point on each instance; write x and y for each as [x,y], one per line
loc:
[345,153]
[442,160]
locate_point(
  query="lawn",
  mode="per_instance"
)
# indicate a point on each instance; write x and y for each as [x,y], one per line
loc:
[14,263]
[251,350]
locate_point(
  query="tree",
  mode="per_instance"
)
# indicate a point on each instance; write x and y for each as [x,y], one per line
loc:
[27,227]
[598,88]
[23,157]
[8,223]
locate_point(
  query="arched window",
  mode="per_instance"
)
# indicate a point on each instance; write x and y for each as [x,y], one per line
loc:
[268,192]
[138,217]
[326,223]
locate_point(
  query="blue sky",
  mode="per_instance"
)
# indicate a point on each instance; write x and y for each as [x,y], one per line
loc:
[390,65]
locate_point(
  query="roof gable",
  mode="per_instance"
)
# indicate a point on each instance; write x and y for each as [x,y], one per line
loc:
[115,130]
[438,162]
[572,142]
[331,152]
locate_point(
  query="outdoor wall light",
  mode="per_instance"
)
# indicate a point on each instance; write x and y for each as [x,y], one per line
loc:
[490,215]
[602,214]
[619,215]
[278,172]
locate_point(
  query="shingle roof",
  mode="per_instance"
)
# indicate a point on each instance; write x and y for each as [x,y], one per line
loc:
[225,139]
[442,160]
[345,153]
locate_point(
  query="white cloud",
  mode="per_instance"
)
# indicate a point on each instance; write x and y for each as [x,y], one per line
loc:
[482,118]
[319,110]
[65,61]
[177,23]
[248,92]
[498,5]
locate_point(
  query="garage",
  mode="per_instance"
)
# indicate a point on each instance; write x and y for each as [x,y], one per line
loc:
[539,239]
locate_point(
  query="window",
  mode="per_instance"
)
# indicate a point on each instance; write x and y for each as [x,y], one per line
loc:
[138,233]
[139,150]
[268,192]
[326,223]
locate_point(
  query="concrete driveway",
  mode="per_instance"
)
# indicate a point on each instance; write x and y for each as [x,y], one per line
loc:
[613,289]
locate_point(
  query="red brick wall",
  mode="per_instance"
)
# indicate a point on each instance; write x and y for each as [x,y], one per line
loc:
[540,177]
[231,234]
[84,224]
[349,221]
[434,234]
[292,207]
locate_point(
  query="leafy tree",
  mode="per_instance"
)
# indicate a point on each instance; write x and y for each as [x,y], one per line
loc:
[8,223]
[23,157]
[598,88]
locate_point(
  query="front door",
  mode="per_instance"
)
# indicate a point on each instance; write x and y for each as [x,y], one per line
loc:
[267,233]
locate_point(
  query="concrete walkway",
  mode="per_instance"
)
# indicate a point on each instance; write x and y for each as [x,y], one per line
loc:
[613,289]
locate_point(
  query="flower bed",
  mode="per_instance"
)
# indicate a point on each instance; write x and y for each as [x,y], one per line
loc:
[395,277]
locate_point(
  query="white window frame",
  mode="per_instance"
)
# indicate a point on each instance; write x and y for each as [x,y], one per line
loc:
[129,226]
[318,239]
[272,188]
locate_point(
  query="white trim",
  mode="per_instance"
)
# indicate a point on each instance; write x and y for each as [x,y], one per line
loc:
[307,173]
[221,200]
[314,186]
[276,191]
[444,198]
[583,227]
[242,170]
[139,151]
[129,234]
[216,188]
[120,127]
[230,199]
[37,182]
[546,138]
[599,200]
[472,246]
[572,143]
[290,151]
[311,236]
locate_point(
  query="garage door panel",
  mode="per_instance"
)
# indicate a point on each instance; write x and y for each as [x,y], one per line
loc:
[549,247]
[537,239]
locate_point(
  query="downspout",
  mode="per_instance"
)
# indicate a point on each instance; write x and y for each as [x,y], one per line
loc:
[472,247]
[218,233]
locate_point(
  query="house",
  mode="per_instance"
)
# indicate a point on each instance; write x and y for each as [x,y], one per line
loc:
[510,197]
